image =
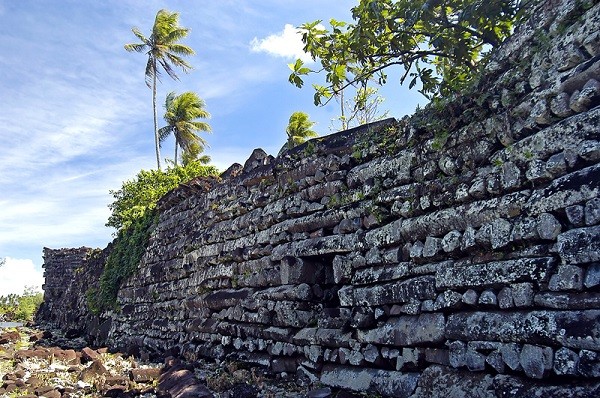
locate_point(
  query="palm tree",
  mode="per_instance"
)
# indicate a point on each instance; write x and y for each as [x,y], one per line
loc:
[194,155]
[299,129]
[181,114]
[163,50]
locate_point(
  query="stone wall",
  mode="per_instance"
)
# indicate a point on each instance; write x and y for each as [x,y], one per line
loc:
[60,267]
[451,253]
[70,275]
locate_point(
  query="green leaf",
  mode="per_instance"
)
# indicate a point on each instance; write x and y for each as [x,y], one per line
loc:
[398,32]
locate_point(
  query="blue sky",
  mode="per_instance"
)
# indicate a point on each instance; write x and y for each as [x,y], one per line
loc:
[76,115]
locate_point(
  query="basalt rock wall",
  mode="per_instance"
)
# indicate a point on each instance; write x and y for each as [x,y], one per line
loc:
[455,252]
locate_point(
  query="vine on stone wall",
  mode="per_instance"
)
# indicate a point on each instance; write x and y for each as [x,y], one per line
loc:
[122,262]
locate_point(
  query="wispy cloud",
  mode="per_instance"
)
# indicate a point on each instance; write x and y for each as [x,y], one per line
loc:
[286,44]
[76,116]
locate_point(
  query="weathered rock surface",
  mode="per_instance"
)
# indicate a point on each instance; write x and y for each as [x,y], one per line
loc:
[451,253]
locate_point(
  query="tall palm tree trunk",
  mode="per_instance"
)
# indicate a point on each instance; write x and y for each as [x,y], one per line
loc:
[175,152]
[156,138]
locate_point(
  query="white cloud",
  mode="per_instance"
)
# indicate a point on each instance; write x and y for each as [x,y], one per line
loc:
[16,274]
[286,44]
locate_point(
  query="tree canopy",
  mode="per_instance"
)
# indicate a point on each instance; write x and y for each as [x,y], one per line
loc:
[141,194]
[299,129]
[21,307]
[361,109]
[439,43]
[164,50]
[181,114]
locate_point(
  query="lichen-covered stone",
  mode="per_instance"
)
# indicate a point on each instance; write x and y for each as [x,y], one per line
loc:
[548,227]
[568,277]
[488,299]
[396,292]
[377,247]
[500,233]
[522,294]
[439,381]
[511,175]
[556,164]
[394,384]
[592,276]
[494,359]
[565,191]
[510,355]
[573,329]
[559,105]
[592,211]
[566,362]
[535,360]
[589,363]
[470,297]
[407,330]
[432,246]
[468,239]
[575,215]
[580,245]
[536,171]
[451,241]
[448,299]
[505,298]
[457,353]
[482,275]
[566,301]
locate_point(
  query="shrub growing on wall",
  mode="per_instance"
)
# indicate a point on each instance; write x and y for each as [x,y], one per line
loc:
[140,194]
[134,216]
[122,262]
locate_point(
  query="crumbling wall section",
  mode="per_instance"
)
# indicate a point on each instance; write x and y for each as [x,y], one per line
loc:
[70,276]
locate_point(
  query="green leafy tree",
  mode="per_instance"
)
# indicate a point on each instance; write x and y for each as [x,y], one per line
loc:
[164,50]
[139,195]
[438,42]
[361,109]
[133,214]
[299,129]
[194,154]
[21,308]
[181,114]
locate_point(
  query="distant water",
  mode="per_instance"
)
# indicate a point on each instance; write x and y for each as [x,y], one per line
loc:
[10,324]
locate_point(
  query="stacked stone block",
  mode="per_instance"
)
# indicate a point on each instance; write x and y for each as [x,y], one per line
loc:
[452,252]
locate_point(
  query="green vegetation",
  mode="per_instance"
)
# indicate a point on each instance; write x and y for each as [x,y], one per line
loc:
[375,142]
[141,194]
[363,108]
[128,249]
[134,215]
[439,43]
[20,308]
[299,129]
[439,140]
[181,114]
[163,50]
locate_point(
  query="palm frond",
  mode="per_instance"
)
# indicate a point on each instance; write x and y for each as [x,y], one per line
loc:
[180,49]
[178,61]
[151,72]
[135,47]
[167,68]
[138,33]
[202,126]
[164,133]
